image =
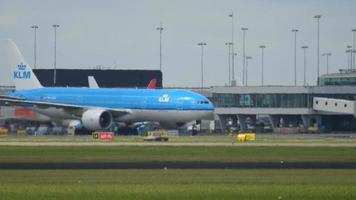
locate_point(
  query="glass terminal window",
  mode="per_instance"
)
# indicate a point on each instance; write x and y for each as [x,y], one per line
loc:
[271,100]
[327,81]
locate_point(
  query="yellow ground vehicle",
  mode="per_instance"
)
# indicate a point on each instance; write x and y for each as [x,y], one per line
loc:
[21,132]
[161,135]
[4,131]
[246,137]
[313,130]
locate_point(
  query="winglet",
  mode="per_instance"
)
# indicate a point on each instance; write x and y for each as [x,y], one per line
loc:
[92,82]
[152,84]
[22,74]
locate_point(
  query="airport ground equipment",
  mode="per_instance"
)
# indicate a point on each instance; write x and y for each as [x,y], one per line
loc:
[21,132]
[106,136]
[313,130]
[246,137]
[4,131]
[161,135]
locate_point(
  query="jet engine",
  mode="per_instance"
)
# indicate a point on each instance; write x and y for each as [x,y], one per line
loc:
[96,119]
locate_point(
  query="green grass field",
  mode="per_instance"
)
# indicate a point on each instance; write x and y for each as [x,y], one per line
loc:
[178,184]
[174,184]
[174,154]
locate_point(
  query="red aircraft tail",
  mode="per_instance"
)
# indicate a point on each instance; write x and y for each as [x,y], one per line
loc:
[152,84]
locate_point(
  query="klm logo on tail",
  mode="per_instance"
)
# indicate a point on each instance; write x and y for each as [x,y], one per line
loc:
[22,73]
[21,66]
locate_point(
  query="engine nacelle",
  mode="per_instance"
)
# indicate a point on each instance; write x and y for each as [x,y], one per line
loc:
[96,119]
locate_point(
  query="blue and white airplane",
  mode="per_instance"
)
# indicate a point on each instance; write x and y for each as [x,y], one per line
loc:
[97,108]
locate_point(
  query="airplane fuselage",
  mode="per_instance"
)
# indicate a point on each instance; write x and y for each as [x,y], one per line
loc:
[165,106]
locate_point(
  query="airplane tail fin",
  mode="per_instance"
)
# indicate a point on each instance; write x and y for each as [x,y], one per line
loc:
[152,84]
[92,82]
[22,74]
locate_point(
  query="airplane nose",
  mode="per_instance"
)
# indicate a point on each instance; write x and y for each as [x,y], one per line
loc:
[211,106]
[207,114]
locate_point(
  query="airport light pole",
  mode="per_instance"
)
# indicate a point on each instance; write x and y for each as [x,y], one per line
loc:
[317,17]
[327,61]
[262,67]
[202,44]
[229,44]
[348,52]
[353,48]
[235,55]
[247,58]
[55,26]
[232,48]
[160,29]
[349,57]
[305,64]
[35,27]
[295,56]
[244,55]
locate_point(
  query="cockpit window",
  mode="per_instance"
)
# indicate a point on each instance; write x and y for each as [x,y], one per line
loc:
[202,102]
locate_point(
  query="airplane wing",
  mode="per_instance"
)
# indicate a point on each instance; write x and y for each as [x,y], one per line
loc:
[10,97]
[73,109]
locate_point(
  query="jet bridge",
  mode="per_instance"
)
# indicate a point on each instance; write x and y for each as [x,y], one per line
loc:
[340,106]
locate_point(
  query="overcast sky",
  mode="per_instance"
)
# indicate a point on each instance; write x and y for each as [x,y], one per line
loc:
[123,33]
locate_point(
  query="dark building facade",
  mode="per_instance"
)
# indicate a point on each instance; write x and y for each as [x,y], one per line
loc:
[106,78]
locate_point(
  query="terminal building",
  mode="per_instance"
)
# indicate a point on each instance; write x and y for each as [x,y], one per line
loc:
[292,108]
[345,77]
[282,107]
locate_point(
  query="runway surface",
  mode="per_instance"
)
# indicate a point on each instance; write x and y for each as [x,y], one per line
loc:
[182,165]
[202,144]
